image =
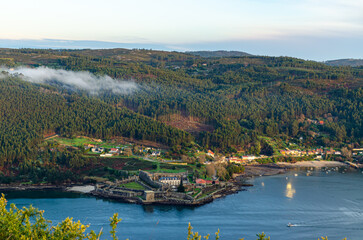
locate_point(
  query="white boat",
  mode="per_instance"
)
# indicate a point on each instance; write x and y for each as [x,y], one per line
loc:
[291,225]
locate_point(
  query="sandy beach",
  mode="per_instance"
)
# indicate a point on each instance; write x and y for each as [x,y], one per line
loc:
[313,164]
[81,189]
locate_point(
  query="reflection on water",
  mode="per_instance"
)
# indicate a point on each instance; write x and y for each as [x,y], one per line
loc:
[166,208]
[290,191]
[148,208]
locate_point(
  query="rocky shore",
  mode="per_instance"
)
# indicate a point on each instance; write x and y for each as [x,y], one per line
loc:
[20,187]
[165,197]
[158,196]
[263,170]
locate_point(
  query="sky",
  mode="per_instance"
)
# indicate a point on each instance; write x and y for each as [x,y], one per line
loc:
[308,29]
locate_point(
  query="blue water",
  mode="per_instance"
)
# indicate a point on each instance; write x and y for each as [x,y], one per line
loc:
[323,204]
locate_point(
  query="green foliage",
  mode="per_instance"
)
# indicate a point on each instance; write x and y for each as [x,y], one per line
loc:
[262,236]
[29,223]
[196,236]
[27,112]
[133,185]
[114,220]
[234,168]
[181,186]
[237,100]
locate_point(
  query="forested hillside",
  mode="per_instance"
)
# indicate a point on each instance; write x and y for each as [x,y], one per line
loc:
[28,111]
[238,100]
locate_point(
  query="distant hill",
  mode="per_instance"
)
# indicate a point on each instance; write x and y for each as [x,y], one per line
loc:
[226,103]
[221,53]
[345,62]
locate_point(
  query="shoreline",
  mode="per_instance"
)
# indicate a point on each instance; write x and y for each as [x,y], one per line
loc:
[236,185]
[312,164]
[171,202]
[19,187]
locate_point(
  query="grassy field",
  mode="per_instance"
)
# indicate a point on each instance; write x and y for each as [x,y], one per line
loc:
[133,185]
[205,194]
[196,192]
[81,141]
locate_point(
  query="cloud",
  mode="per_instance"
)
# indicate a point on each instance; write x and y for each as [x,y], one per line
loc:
[75,80]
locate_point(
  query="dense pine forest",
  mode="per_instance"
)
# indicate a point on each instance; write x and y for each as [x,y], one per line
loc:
[219,103]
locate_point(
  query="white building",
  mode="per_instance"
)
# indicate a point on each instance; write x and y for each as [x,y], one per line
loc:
[156,153]
[106,155]
[173,181]
[97,149]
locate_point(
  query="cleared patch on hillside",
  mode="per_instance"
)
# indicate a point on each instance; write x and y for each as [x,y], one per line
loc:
[187,123]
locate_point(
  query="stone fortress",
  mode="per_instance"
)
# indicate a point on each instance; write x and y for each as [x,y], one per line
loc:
[160,188]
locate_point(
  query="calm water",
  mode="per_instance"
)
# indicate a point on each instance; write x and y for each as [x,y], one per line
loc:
[322,204]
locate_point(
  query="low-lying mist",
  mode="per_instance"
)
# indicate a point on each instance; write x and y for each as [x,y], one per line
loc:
[82,80]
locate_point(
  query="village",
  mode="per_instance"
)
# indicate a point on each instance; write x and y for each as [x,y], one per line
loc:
[182,188]
[317,154]
[198,177]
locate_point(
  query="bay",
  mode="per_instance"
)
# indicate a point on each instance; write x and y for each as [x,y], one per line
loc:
[326,203]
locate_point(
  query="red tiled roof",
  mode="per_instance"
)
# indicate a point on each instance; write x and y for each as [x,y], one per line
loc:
[200,181]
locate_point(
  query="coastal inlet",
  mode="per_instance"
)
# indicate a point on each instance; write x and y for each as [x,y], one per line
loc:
[323,202]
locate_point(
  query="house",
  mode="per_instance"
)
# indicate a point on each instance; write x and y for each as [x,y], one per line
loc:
[210,153]
[114,150]
[248,158]
[203,182]
[310,152]
[87,146]
[330,151]
[97,149]
[200,181]
[155,153]
[106,155]
[357,151]
[236,160]
[173,181]
[319,151]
